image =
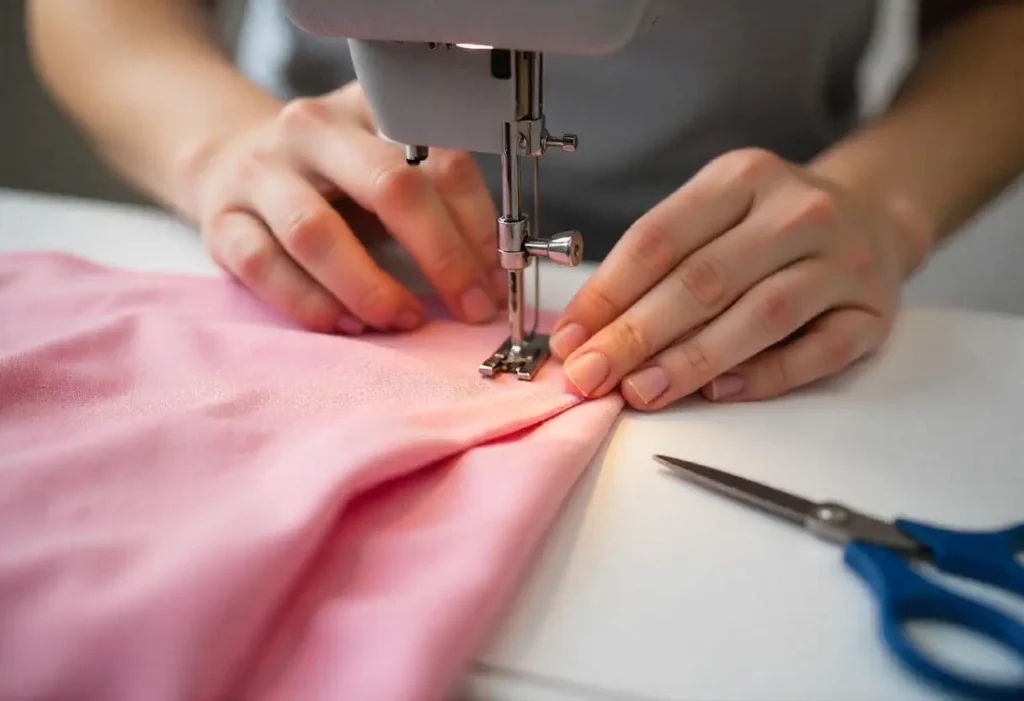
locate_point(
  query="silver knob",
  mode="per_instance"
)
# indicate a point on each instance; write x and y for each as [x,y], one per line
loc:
[566,142]
[564,249]
[414,155]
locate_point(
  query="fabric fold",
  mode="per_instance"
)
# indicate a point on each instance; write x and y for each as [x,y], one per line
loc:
[200,501]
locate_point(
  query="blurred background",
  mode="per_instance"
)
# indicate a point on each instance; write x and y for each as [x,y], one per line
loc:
[40,149]
[981,269]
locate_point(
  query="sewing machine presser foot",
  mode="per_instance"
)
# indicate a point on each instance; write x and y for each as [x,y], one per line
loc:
[524,361]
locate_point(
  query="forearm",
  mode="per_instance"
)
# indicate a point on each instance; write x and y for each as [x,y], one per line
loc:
[954,136]
[147,83]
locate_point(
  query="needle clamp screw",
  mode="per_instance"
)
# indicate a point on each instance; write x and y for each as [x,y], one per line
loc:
[566,142]
[564,249]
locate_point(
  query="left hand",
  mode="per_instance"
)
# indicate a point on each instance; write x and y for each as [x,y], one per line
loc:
[756,277]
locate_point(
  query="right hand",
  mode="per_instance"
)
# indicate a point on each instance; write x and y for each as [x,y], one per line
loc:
[263,201]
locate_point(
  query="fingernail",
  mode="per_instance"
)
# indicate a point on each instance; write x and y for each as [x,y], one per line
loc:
[477,306]
[499,279]
[649,384]
[587,372]
[726,386]
[350,325]
[407,321]
[567,339]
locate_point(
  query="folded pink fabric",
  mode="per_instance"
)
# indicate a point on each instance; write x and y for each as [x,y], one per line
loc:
[200,502]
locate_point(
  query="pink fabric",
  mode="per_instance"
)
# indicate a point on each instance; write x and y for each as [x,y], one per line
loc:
[199,501]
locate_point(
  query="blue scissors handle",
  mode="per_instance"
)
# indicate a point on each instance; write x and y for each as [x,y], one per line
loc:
[905,596]
[984,556]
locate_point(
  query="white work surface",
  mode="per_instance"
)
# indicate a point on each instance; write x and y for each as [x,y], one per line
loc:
[650,588]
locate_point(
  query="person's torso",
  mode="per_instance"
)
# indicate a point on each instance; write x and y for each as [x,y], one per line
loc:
[709,77]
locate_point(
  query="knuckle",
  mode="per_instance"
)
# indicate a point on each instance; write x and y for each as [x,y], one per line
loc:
[596,303]
[314,310]
[251,167]
[373,303]
[702,279]
[302,112]
[653,246]
[816,208]
[450,266]
[631,340]
[774,313]
[456,171]
[307,232]
[398,188]
[749,164]
[697,359]
[253,262]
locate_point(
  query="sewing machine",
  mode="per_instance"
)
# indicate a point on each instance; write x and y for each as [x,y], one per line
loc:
[469,75]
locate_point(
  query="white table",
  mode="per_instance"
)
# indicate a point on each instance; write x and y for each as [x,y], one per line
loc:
[652,589]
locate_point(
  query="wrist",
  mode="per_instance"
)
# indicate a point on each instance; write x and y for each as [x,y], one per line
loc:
[917,234]
[914,229]
[197,153]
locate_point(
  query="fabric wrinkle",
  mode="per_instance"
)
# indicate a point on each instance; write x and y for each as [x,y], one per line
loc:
[200,500]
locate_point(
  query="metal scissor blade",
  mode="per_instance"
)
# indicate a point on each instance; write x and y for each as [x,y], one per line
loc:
[775,501]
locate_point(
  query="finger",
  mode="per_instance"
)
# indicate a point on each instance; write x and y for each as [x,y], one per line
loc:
[765,315]
[339,107]
[760,246]
[714,201]
[830,344]
[351,100]
[375,174]
[320,241]
[465,194]
[242,245]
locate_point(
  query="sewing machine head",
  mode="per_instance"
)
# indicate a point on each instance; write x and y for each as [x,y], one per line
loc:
[468,75]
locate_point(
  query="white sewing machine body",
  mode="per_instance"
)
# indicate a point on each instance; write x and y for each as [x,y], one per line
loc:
[424,89]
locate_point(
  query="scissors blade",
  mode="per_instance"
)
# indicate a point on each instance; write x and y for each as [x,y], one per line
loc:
[775,501]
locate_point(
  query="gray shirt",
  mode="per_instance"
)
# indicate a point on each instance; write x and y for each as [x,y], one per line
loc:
[709,77]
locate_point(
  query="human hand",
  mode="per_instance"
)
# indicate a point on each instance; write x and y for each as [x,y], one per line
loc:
[756,277]
[265,214]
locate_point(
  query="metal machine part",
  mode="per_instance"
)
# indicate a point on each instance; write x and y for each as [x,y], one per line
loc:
[526,136]
[414,155]
[468,75]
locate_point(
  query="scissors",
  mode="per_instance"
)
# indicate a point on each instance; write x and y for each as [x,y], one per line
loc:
[878,552]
